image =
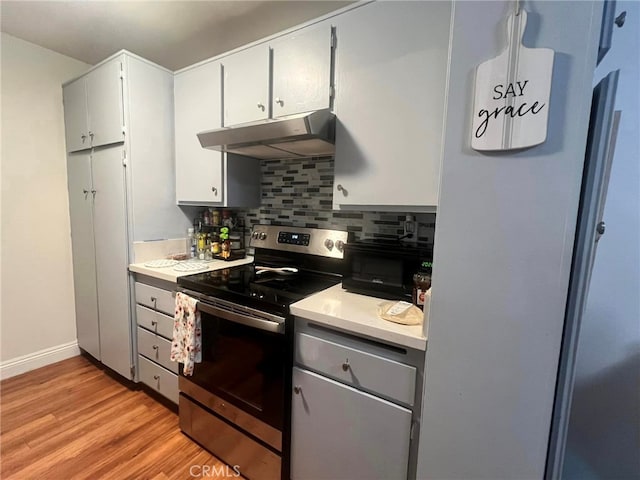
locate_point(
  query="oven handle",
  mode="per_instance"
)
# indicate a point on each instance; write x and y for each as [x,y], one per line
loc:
[247,320]
[242,319]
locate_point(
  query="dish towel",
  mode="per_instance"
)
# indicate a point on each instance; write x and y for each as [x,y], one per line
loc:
[186,346]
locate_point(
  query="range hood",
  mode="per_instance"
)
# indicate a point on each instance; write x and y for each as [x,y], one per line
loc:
[296,136]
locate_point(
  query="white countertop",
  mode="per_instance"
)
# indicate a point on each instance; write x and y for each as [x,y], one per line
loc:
[171,275]
[358,314]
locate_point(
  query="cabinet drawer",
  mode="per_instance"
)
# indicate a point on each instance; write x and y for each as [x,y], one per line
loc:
[158,378]
[156,298]
[155,321]
[156,348]
[368,371]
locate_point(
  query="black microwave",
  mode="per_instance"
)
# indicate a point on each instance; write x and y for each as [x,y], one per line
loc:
[384,268]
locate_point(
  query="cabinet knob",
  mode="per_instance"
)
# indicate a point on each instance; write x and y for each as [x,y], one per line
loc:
[279,101]
[339,245]
[86,192]
[297,390]
[342,189]
[261,106]
[345,366]
[156,377]
[91,135]
[155,347]
[215,191]
[83,137]
[154,323]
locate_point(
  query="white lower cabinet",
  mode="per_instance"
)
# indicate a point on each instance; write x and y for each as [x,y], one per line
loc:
[355,406]
[154,331]
[341,432]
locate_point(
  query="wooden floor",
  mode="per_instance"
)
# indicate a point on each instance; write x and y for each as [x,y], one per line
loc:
[72,420]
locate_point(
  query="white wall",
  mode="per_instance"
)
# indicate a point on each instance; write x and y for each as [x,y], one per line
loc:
[603,438]
[37,311]
[503,249]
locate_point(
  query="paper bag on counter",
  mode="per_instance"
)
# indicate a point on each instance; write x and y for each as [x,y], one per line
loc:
[400,312]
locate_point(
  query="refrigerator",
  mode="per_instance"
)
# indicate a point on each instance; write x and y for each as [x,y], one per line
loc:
[595,431]
[601,139]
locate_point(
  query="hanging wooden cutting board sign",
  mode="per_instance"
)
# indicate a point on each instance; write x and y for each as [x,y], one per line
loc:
[511,101]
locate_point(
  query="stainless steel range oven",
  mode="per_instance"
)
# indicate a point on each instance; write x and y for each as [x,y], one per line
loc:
[236,404]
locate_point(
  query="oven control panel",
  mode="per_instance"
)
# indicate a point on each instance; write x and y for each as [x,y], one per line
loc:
[292,238]
[312,241]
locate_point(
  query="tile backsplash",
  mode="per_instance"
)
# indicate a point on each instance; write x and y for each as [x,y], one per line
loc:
[299,193]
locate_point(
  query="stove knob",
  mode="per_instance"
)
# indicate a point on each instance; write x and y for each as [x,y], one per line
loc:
[340,245]
[328,243]
[261,296]
[254,235]
[262,235]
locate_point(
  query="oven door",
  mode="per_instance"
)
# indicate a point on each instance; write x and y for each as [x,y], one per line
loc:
[243,361]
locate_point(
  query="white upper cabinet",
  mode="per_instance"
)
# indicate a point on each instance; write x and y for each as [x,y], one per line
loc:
[289,75]
[198,107]
[75,115]
[302,71]
[93,108]
[105,104]
[391,76]
[246,85]
[203,176]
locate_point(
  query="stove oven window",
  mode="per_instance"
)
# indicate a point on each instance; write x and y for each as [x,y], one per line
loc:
[243,365]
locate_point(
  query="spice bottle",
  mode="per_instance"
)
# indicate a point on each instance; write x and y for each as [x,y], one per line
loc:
[202,239]
[421,283]
[191,243]
[215,216]
[215,244]
[224,240]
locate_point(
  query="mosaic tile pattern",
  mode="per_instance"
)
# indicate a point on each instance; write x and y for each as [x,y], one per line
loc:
[299,193]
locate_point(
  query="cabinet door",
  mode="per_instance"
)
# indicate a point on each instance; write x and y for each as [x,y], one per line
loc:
[110,226]
[198,107]
[74,97]
[391,69]
[246,85]
[83,249]
[340,432]
[302,71]
[105,104]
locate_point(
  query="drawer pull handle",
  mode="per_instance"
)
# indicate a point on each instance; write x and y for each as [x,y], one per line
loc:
[297,390]
[156,377]
[345,366]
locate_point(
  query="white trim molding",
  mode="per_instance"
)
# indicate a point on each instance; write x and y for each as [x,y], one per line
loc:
[26,363]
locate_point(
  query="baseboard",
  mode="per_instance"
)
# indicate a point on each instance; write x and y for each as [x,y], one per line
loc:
[26,363]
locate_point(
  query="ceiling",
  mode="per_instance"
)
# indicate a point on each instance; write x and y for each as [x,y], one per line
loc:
[174,34]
